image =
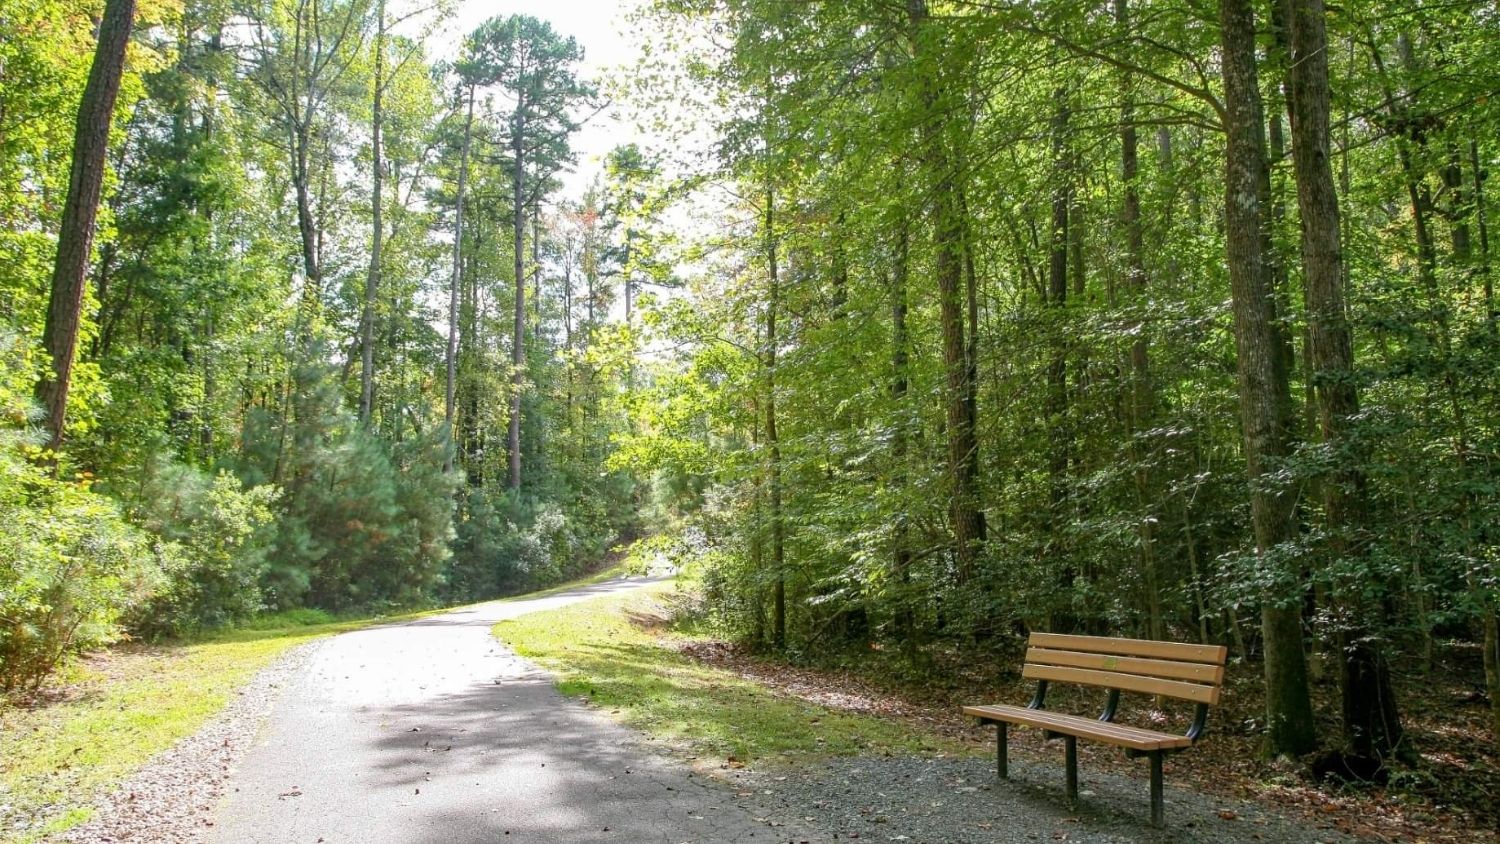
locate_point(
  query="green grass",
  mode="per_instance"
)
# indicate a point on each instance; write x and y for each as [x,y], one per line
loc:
[123,707]
[612,651]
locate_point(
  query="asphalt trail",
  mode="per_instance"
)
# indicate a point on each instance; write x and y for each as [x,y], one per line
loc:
[433,732]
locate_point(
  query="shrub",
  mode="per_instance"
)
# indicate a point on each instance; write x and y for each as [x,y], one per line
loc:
[360,524]
[215,535]
[70,568]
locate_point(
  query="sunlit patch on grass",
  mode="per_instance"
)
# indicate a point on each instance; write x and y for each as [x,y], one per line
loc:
[613,651]
[118,709]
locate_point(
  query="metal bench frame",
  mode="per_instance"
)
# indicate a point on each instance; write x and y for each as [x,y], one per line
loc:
[1195,731]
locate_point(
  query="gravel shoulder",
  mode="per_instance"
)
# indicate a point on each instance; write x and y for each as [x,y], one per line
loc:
[960,801]
[170,800]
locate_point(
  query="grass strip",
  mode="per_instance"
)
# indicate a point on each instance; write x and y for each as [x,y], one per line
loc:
[122,707]
[615,652]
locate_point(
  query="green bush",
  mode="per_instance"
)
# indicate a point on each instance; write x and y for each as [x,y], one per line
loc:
[360,524]
[215,536]
[70,568]
[287,619]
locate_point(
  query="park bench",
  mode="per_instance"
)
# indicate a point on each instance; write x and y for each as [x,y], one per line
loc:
[1169,669]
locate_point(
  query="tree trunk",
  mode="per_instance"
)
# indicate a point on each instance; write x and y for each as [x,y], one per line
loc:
[75,238]
[1492,668]
[1055,296]
[948,232]
[900,384]
[1482,219]
[1264,391]
[971,346]
[629,272]
[840,295]
[372,280]
[307,225]
[536,271]
[1372,724]
[773,442]
[453,288]
[518,345]
[1142,398]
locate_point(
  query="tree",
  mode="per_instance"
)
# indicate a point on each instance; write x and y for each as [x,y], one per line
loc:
[1264,390]
[944,184]
[302,69]
[451,355]
[377,227]
[535,69]
[1371,722]
[76,232]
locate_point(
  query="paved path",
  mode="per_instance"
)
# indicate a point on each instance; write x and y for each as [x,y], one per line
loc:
[433,732]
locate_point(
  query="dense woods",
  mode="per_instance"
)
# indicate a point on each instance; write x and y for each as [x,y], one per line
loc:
[1153,319]
[1161,319]
[339,342]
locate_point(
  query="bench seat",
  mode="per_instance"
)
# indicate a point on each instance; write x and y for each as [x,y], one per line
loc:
[1122,735]
[1179,670]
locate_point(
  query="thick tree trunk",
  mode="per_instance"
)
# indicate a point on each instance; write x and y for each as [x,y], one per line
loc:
[451,355]
[75,238]
[1372,724]
[1264,391]
[377,234]
[1277,262]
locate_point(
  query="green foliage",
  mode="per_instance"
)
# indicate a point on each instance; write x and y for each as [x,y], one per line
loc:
[71,567]
[212,389]
[214,536]
[1111,462]
[358,524]
[288,620]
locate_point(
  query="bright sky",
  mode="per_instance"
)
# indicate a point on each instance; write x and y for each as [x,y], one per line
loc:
[598,26]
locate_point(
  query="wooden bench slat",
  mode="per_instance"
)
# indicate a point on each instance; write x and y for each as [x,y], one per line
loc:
[1116,734]
[1210,654]
[1196,672]
[1125,682]
[1168,669]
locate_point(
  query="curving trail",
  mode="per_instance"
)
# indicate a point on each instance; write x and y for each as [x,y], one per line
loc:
[433,732]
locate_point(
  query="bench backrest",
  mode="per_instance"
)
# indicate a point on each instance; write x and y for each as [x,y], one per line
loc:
[1184,671]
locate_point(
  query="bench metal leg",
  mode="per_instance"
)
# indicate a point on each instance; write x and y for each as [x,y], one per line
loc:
[1158,815]
[1002,749]
[1070,751]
